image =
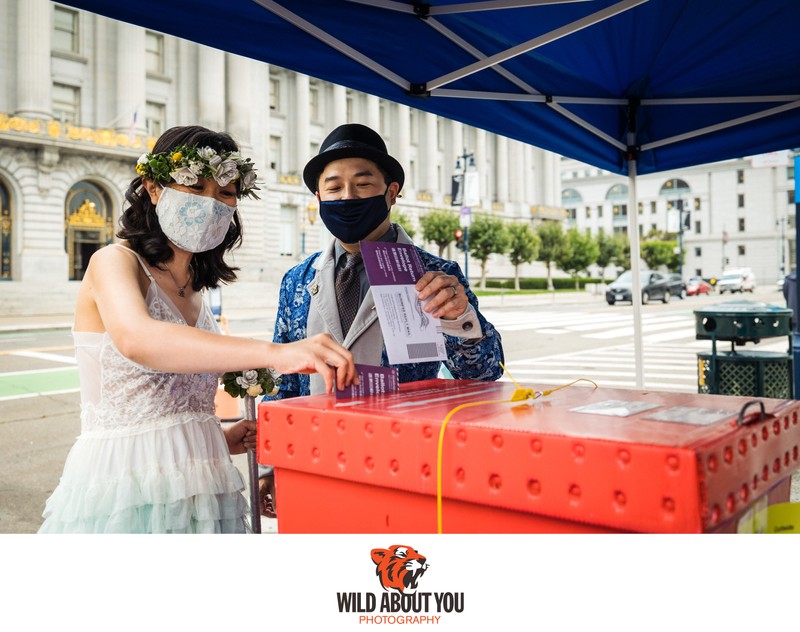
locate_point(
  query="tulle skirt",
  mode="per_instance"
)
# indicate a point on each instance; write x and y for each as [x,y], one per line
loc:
[176,477]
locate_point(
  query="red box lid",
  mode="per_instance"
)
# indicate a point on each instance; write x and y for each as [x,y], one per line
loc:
[627,459]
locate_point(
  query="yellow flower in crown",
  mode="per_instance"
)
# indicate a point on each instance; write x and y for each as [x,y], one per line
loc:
[176,157]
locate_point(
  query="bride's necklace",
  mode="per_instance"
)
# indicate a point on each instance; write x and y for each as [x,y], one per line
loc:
[181,288]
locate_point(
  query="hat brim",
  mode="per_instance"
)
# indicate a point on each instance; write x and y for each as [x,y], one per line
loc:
[317,164]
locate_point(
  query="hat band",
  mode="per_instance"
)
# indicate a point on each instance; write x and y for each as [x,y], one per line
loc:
[348,144]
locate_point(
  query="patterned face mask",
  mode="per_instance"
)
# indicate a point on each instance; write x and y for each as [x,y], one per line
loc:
[195,223]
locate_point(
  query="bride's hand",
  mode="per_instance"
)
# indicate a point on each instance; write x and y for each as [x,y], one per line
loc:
[241,436]
[318,354]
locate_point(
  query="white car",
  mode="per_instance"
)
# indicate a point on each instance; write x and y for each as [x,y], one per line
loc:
[736,281]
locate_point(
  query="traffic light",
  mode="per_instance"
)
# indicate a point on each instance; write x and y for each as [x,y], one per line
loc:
[459,235]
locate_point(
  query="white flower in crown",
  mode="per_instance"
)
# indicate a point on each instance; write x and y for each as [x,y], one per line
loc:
[248,179]
[235,156]
[184,176]
[196,167]
[214,162]
[226,172]
[206,153]
[142,159]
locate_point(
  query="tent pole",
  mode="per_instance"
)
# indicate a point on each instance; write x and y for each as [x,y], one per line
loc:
[633,238]
[636,288]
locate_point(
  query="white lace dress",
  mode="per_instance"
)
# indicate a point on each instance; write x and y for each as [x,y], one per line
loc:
[151,456]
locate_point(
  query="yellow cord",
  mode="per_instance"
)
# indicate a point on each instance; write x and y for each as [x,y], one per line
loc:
[519,395]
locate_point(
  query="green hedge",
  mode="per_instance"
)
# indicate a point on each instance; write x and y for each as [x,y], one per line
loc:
[539,284]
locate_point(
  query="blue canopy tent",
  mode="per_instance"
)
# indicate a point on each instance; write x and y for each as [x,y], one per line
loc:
[630,86]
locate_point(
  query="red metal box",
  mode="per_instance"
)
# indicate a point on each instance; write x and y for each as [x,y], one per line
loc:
[578,460]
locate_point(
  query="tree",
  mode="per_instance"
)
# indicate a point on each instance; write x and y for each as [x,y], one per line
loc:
[551,236]
[487,236]
[438,227]
[609,250]
[578,252]
[659,253]
[523,247]
[623,259]
[398,217]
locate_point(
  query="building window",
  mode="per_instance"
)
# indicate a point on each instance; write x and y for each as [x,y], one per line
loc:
[790,172]
[65,30]
[66,104]
[740,176]
[382,120]
[599,211]
[698,228]
[588,212]
[412,174]
[790,196]
[641,207]
[154,52]
[287,230]
[621,210]
[741,224]
[155,118]
[275,95]
[439,134]
[275,153]
[652,208]
[697,204]
[698,252]
[741,200]
[412,127]
[349,109]
[313,103]
[741,251]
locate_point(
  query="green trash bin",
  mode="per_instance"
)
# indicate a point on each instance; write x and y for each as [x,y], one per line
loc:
[744,372]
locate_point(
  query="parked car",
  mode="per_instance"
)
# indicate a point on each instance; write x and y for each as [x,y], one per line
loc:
[736,281]
[654,286]
[697,285]
[677,286]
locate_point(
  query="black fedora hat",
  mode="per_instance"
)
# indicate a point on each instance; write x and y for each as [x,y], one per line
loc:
[352,141]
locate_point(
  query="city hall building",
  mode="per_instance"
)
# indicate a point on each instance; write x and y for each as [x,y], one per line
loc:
[82,97]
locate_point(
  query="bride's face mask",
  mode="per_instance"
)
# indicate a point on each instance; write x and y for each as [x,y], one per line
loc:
[195,223]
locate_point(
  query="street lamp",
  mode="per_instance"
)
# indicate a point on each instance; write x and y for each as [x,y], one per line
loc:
[465,193]
[781,223]
[681,226]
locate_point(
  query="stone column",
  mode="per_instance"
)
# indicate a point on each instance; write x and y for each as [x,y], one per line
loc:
[210,78]
[457,147]
[482,162]
[429,162]
[501,168]
[131,79]
[516,173]
[301,115]
[238,77]
[33,59]
[374,113]
[402,144]
[339,107]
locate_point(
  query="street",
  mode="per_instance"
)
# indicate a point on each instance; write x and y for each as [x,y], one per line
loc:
[547,341]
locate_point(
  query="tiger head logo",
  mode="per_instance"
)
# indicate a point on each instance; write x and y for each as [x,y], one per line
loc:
[399,567]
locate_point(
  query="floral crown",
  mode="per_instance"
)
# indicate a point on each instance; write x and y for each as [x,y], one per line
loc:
[186,164]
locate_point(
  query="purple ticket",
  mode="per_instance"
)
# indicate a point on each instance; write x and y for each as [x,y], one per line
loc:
[391,264]
[372,380]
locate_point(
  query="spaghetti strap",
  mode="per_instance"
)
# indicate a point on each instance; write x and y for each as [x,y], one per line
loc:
[141,262]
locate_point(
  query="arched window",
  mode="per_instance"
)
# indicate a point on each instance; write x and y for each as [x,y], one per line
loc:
[675,188]
[89,225]
[617,193]
[570,197]
[6,225]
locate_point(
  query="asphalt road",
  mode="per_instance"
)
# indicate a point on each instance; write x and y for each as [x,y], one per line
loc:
[37,432]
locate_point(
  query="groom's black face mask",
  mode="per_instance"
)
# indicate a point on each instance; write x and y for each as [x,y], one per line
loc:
[352,220]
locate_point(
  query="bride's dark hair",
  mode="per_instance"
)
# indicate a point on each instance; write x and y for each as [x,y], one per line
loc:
[140,225]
